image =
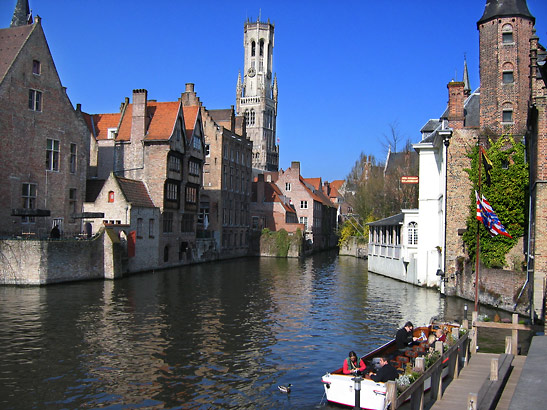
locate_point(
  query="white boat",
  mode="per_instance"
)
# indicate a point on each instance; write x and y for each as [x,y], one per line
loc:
[340,388]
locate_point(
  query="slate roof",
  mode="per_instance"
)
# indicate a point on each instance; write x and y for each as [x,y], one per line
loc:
[389,221]
[11,41]
[406,160]
[221,116]
[505,8]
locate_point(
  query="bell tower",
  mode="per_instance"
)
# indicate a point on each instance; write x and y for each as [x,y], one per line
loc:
[256,94]
[505,30]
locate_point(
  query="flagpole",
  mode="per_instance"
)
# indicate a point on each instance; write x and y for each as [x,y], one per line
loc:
[477,252]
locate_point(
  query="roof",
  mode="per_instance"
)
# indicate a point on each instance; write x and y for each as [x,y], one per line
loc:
[93,188]
[190,116]
[505,8]
[98,124]
[162,119]
[11,41]
[314,182]
[221,116]
[21,14]
[337,183]
[408,160]
[135,192]
[389,221]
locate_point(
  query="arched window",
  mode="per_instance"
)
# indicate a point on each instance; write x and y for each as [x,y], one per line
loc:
[508,77]
[253,49]
[252,117]
[507,113]
[413,233]
[261,48]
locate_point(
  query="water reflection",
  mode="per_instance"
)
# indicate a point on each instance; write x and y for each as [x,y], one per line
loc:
[220,335]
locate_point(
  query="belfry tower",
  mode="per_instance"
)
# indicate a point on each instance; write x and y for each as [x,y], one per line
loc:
[505,30]
[256,94]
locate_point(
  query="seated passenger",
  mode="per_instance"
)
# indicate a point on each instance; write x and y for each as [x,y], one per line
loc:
[385,373]
[404,339]
[352,366]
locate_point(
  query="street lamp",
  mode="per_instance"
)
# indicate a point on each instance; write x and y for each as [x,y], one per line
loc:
[357,389]
[445,134]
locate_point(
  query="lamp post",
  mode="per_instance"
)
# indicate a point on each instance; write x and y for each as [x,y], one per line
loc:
[465,311]
[445,134]
[357,389]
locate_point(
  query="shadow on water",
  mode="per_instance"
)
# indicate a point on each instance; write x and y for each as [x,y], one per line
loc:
[219,335]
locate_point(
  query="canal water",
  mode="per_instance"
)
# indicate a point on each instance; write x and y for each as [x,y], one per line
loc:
[219,335]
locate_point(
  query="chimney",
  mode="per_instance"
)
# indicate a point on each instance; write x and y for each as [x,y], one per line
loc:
[188,97]
[295,166]
[456,98]
[138,120]
[79,107]
[260,189]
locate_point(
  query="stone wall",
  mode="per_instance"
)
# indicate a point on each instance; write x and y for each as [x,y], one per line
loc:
[34,262]
[353,248]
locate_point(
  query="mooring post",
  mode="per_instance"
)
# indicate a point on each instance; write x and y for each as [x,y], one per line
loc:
[508,344]
[515,335]
[472,401]
[494,370]
[474,331]
[391,395]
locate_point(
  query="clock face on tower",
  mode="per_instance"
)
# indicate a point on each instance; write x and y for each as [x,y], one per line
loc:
[251,72]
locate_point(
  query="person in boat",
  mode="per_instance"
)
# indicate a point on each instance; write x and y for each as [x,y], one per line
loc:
[352,365]
[386,371]
[404,339]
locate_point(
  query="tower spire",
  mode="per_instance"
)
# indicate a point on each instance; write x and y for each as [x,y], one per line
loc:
[505,8]
[22,14]
[467,86]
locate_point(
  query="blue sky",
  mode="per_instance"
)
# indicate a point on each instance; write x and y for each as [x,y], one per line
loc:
[346,69]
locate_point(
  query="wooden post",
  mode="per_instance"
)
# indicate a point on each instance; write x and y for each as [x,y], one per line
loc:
[436,387]
[465,324]
[456,333]
[494,370]
[472,401]
[419,364]
[439,347]
[391,395]
[474,330]
[515,335]
[508,344]
[417,398]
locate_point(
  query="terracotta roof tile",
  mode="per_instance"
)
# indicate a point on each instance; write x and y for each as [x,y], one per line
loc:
[314,182]
[163,119]
[135,192]
[190,115]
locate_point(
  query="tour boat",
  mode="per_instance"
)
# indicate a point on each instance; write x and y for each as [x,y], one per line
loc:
[339,387]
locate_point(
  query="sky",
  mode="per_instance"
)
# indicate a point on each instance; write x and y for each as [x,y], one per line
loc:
[348,70]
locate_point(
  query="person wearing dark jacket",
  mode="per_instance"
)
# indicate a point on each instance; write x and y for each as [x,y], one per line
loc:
[385,373]
[404,339]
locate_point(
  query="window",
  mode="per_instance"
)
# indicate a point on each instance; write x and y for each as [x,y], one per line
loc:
[507,116]
[197,142]
[173,164]
[111,196]
[187,223]
[72,200]
[287,186]
[191,194]
[261,47]
[139,227]
[203,216]
[508,77]
[111,133]
[193,168]
[304,220]
[253,49]
[207,150]
[167,222]
[36,67]
[29,200]
[73,151]
[150,228]
[52,155]
[507,34]
[171,191]
[413,233]
[303,204]
[252,117]
[35,100]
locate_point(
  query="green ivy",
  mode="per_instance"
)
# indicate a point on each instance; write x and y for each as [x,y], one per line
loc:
[507,195]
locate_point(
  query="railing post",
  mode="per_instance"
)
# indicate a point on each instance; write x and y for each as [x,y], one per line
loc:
[472,401]
[391,395]
[515,335]
[474,331]
[417,398]
[419,364]
[494,370]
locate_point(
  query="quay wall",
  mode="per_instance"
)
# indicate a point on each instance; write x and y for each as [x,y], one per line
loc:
[42,262]
[353,248]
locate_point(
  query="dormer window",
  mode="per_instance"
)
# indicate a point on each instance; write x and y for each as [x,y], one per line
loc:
[36,67]
[112,133]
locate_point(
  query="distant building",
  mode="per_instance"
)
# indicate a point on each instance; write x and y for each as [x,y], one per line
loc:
[43,141]
[226,194]
[256,94]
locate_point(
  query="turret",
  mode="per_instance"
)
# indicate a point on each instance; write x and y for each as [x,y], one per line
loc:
[22,14]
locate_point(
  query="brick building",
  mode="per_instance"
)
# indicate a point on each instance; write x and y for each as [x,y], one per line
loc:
[227,172]
[160,144]
[37,122]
